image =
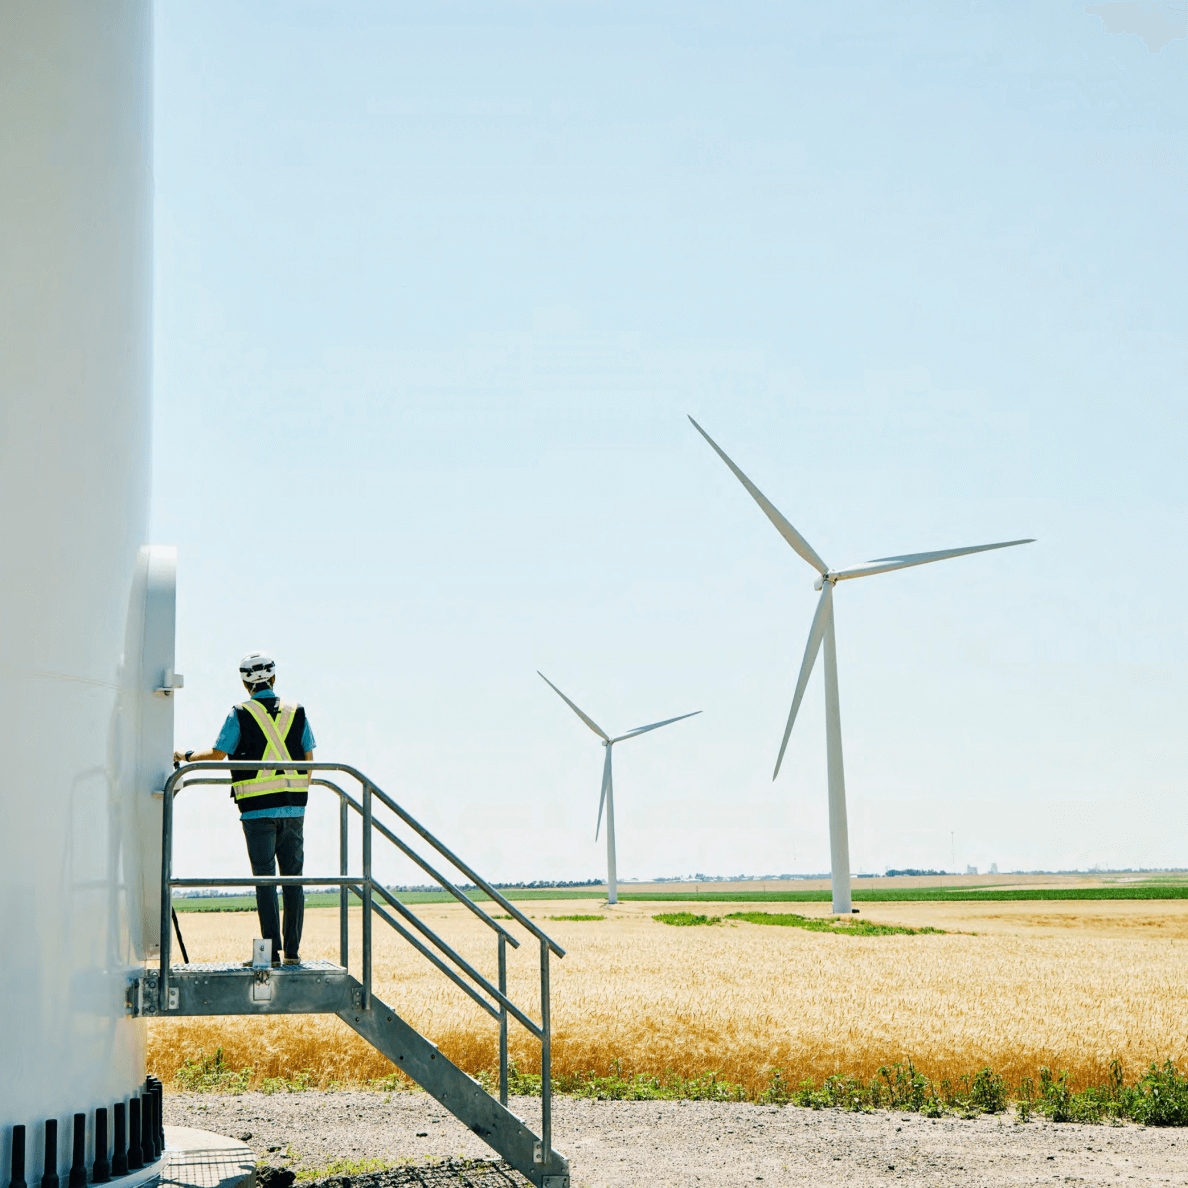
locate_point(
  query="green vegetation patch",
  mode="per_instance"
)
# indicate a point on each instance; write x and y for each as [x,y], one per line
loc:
[211,1074]
[686,919]
[842,927]
[919,895]
[337,1168]
[574,917]
[1158,1097]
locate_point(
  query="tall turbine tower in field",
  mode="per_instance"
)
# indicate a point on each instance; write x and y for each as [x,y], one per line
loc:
[608,790]
[822,630]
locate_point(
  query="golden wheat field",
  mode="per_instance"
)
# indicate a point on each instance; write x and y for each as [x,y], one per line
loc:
[1011,985]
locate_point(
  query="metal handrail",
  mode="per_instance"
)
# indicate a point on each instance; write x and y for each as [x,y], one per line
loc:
[478,881]
[499,996]
[364,887]
[410,853]
[303,765]
[429,955]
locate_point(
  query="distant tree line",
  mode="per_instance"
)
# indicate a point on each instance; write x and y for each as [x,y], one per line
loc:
[504,886]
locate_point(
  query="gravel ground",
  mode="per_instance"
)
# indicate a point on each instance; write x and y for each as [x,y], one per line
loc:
[617,1144]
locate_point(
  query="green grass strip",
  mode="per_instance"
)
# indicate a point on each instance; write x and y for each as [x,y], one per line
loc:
[921,895]
[247,903]
[843,927]
[574,917]
[685,919]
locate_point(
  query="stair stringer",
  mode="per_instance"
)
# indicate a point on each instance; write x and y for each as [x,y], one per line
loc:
[458,1092]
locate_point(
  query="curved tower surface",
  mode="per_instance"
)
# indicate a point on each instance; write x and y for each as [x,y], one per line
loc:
[86,739]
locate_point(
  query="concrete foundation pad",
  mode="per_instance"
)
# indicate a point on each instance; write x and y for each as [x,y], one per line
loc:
[201,1159]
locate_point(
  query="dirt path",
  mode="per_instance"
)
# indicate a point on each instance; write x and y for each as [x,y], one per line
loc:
[696,1144]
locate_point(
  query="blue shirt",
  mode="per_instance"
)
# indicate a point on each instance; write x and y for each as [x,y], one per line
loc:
[228,740]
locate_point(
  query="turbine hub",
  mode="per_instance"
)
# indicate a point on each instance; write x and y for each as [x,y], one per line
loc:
[829,577]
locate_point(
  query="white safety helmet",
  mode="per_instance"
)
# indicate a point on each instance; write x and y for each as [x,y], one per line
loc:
[256,669]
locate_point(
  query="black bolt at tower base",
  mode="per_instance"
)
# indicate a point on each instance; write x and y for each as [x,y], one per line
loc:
[78,1165]
[158,1091]
[148,1129]
[18,1158]
[135,1146]
[102,1171]
[49,1178]
[158,1138]
[119,1155]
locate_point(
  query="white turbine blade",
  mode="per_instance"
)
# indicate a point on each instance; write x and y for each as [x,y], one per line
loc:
[606,778]
[816,634]
[655,726]
[887,564]
[785,529]
[589,721]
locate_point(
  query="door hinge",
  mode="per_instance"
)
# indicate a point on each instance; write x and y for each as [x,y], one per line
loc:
[170,680]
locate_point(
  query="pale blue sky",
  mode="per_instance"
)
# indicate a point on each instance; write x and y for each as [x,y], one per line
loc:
[436,287]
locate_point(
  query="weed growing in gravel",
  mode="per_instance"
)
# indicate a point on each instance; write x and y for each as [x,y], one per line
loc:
[210,1074]
[616,1085]
[307,1078]
[849,927]
[685,919]
[1158,1098]
[337,1168]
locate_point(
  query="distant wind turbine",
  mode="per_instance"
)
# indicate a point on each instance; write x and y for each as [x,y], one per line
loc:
[822,630]
[608,789]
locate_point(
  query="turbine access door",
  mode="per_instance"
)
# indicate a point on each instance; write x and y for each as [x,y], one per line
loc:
[158,683]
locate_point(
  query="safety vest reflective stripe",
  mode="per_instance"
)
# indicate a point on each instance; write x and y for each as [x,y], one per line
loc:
[271,784]
[275,730]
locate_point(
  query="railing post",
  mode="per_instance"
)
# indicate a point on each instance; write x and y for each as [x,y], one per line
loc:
[502,1021]
[166,896]
[546,1059]
[367,897]
[344,894]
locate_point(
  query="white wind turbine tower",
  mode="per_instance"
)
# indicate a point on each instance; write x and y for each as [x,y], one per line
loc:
[822,629]
[608,790]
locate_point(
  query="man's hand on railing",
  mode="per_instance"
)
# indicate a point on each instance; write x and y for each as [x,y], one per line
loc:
[180,757]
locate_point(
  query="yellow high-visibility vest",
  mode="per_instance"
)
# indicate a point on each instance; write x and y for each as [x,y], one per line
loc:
[275,730]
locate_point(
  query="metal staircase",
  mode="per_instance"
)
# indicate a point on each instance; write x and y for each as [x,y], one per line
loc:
[321,987]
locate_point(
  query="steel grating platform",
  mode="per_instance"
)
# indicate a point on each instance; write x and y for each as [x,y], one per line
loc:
[209,967]
[232,988]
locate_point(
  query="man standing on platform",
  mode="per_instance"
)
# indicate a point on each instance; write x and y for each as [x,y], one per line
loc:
[271,801]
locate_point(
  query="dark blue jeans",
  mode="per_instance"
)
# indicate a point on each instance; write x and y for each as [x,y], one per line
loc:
[271,840]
